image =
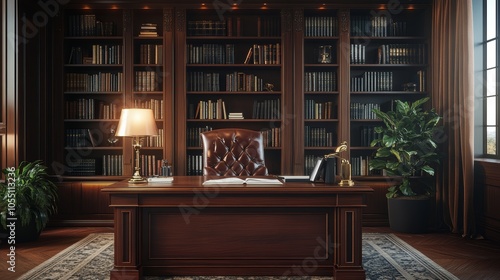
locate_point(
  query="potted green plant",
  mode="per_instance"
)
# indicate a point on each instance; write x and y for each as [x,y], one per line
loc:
[28,195]
[407,149]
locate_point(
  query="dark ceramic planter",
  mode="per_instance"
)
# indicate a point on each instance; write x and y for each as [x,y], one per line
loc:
[409,215]
[26,233]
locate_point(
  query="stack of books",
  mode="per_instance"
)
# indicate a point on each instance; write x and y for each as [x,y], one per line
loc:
[236,116]
[148,30]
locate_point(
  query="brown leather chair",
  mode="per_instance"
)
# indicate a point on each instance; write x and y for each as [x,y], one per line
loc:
[233,152]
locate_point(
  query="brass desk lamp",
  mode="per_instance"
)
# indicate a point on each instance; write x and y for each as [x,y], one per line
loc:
[345,170]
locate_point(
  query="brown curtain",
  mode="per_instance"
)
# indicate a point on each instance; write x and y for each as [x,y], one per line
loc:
[453,98]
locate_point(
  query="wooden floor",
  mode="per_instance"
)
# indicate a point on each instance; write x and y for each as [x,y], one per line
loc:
[465,258]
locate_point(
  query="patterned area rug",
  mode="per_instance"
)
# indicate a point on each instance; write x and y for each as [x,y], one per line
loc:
[385,256]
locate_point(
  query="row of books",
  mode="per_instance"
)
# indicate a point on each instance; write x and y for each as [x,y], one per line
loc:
[391,54]
[320,81]
[210,54]
[268,26]
[318,137]
[321,26]
[264,54]
[231,26]
[95,82]
[314,110]
[81,167]
[401,54]
[84,137]
[360,166]
[89,25]
[147,81]
[154,142]
[239,81]
[112,165]
[96,54]
[272,137]
[236,81]
[363,111]
[310,163]
[193,137]
[266,109]
[207,27]
[372,81]
[79,137]
[150,54]
[210,110]
[367,134]
[377,26]
[148,165]
[153,104]
[203,81]
[194,164]
[89,109]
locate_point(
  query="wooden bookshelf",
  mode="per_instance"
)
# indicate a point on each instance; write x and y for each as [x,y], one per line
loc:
[307,77]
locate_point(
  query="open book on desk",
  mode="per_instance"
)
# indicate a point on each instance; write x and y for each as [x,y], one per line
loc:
[240,181]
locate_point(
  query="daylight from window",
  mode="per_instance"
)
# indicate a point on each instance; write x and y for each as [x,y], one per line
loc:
[491,94]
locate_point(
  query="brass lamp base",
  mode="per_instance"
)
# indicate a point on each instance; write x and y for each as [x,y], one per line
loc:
[346,183]
[137,180]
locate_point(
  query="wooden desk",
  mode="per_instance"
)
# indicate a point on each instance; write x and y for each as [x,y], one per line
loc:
[184,228]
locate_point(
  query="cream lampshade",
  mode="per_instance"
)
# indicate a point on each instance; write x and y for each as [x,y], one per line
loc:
[137,123]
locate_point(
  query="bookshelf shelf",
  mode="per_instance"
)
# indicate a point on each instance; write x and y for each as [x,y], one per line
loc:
[387,65]
[249,65]
[94,38]
[104,148]
[232,38]
[388,38]
[235,120]
[389,92]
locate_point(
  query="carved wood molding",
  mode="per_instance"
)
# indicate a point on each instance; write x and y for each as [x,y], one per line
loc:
[126,19]
[298,19]
[286,16]
[168,20]
[344,20]
[180,20]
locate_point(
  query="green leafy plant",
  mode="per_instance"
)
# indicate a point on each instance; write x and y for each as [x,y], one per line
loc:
[407,147]
[29,193]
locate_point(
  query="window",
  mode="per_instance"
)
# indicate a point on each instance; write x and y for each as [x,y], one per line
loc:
[491,78]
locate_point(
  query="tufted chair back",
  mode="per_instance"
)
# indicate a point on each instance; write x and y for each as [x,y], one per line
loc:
[233,152]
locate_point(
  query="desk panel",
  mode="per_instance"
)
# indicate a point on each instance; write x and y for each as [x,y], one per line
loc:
[183,228]
[223,233]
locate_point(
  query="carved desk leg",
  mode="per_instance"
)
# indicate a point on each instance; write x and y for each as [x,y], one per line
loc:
[348,252]
[127,257]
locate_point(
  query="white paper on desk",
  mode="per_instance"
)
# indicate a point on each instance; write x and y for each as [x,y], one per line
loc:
[239,181]
[160,179]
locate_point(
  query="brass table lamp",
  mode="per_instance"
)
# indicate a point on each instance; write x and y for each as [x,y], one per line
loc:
[345,168]
[137,123]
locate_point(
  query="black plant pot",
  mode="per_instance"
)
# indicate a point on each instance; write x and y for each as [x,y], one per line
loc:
[409,215]
[21,234]
[27,233]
